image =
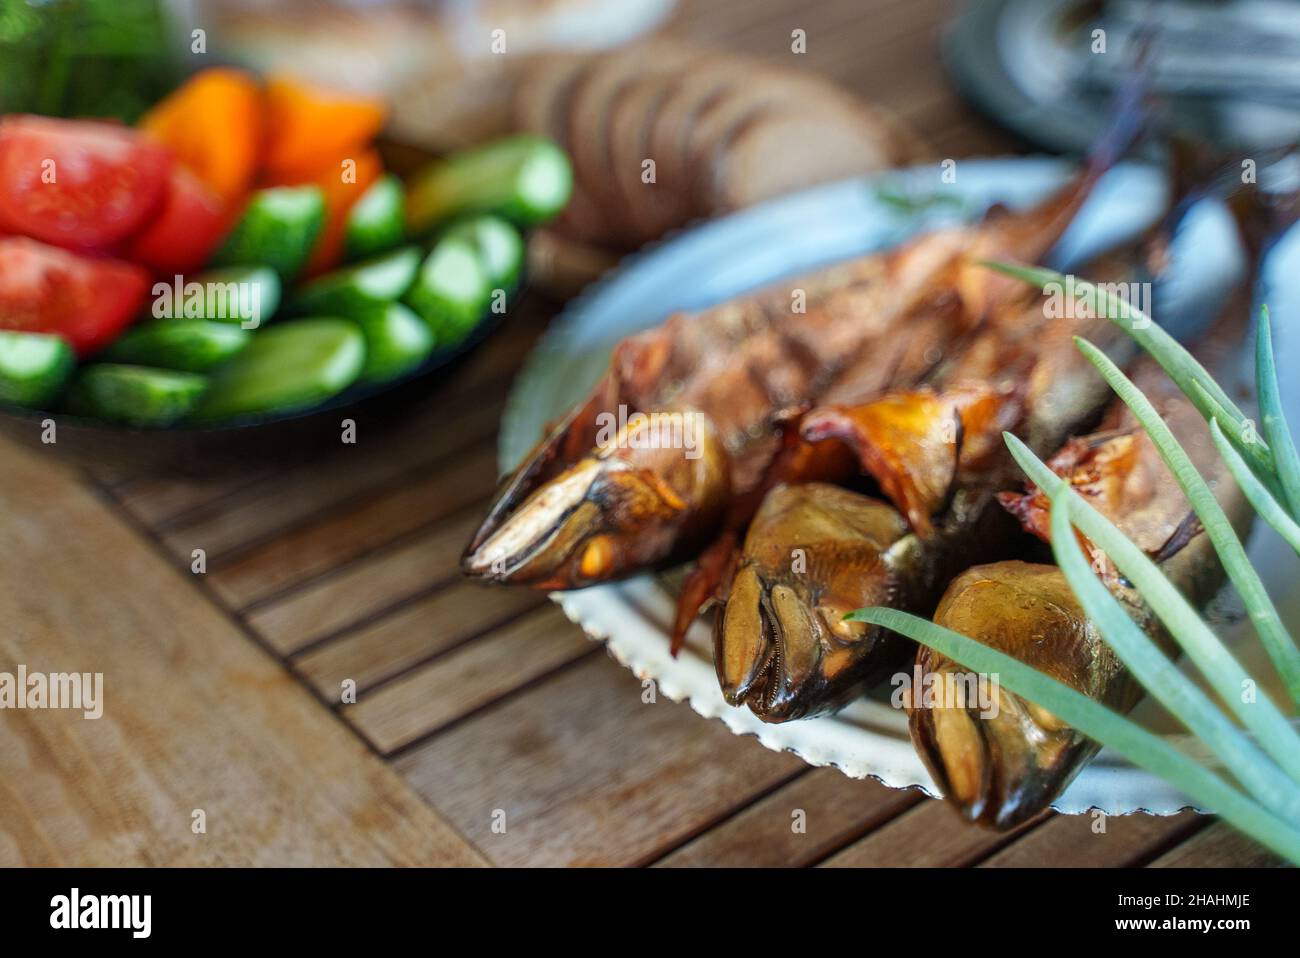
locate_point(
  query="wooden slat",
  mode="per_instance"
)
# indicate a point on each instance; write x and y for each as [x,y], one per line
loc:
[194,715]
[352,595]
[835,810]
[158,500]
[321,487]
[466,679]
[588,774]
[345,534]
[411,634]
[928,835]
[1070,841]
[1218,846]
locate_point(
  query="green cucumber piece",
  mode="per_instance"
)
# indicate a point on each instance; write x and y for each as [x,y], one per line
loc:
[451,291]
[33,367]
[397,341]
[499,245]
[189,345]
[359,288]
[278,229]
[134,395]
[247,295]
[290,366]
[527,179]
[377,222]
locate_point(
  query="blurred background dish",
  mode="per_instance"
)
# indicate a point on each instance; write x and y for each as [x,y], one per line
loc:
[1230,71]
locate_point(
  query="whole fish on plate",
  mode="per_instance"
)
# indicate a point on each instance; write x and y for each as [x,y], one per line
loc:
[603,495]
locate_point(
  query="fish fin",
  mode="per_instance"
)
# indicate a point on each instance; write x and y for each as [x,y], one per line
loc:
[1187,530]
[705,584]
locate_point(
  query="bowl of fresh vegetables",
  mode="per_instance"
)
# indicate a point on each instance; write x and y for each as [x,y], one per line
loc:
[245,268]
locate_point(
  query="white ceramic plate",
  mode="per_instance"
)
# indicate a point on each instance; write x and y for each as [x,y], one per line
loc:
[788,236]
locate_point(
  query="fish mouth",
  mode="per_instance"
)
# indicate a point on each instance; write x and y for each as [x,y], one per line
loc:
[998,771]
[784,656]
[538,538]
[753,646]
[770,694]
[1001,759]
[619,510]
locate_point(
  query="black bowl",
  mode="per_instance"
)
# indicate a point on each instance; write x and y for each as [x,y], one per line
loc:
[240,443]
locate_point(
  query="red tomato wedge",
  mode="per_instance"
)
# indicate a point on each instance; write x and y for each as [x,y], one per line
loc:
[48,290]
[76,183]
[192,222]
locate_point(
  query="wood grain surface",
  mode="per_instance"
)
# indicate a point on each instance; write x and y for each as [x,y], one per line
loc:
[194,715]
[484,723]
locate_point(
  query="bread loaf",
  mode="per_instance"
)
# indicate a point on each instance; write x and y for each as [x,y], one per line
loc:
[723,132]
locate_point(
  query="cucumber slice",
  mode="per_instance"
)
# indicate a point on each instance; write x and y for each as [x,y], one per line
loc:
[527,179]
[397,341]
[33,367]
[134,395]
[278,229]
[247,295]
[290,366]
[499,245]
[377,222]
[360,288]
[189,345]
[452,290]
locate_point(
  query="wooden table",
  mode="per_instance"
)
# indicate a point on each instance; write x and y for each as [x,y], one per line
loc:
[475,707]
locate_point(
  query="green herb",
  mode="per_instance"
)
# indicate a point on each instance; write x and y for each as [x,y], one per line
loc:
[109,58]
[1263,613]
[1104,725]
[1268,472]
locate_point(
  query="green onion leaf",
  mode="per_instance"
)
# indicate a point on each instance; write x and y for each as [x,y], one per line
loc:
[1273,422]
[1181,366]
[1225,674]
[1260,498]
[1158,675]
[1263,613]
[1100,724]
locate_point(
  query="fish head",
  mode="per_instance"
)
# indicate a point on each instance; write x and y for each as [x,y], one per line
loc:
[654,486]
[998,758]
[813,554]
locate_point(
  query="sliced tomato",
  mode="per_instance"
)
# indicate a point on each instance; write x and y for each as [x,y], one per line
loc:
[48,290]
[77,183]
[192,222]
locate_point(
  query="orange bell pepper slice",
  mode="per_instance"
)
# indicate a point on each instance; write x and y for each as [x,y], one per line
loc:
[213,125]
[305,123]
